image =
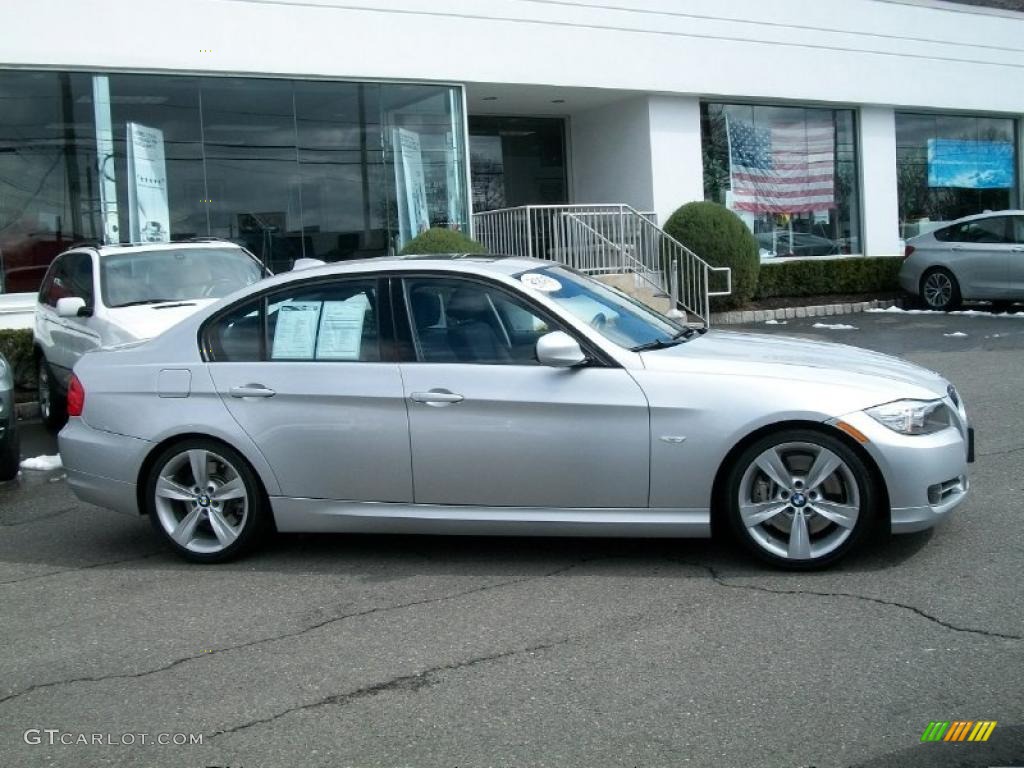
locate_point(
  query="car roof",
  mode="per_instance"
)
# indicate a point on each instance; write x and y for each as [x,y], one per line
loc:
[114,249]
[986,215]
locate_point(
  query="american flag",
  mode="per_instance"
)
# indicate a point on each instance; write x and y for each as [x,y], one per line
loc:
[784,168]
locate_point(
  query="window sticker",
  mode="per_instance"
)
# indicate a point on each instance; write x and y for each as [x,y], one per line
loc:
[341,328]
[539,282]
[295,334]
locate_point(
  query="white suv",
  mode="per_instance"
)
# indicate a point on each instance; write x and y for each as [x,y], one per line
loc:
[99,296]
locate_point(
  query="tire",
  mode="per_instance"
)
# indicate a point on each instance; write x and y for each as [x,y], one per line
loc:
[10,454]
[940,290]
[193,517]
[792,524]
[53,404]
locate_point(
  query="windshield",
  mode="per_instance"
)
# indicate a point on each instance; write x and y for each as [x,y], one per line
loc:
[611,313]
[179,274]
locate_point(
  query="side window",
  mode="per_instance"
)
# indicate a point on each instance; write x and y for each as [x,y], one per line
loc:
[992,230]
[50,289]
[78,274]
[460,321]
[1018,230]
[331,321]
[236,337]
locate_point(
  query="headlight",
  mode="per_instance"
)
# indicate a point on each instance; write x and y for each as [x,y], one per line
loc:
[912,417]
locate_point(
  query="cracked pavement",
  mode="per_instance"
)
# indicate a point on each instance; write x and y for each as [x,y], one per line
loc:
[428,651]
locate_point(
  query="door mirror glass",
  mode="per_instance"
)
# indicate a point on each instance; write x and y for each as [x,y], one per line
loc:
[72,306]
[559,350]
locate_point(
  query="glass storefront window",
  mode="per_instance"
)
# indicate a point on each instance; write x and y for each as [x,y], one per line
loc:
[789,172]
[950,166]
[517,161]
[330,170]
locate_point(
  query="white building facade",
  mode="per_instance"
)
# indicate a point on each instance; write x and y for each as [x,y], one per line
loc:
[339,128]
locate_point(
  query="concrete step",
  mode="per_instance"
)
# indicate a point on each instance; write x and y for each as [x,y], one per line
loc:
[639,289]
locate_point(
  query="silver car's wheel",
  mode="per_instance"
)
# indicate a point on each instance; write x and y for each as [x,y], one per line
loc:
[204,499]
[801,499]
[939,290]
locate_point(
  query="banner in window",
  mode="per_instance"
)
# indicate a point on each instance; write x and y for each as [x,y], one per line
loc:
[410,186]
[148,215]
[970,164]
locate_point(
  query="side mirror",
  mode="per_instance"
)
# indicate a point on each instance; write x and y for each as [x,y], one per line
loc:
[73,306]
[559,350]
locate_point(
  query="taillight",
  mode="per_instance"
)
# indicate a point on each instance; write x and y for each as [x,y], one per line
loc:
[76,397]
[907,251]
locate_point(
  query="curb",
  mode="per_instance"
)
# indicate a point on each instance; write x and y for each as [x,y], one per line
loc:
[789,313]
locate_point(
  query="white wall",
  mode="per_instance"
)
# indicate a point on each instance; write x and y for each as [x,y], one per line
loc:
[878,193]
[677,163]
[853,51]
[611,155]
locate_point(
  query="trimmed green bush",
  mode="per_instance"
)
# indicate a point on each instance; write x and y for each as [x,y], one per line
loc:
[720,237]
[824,276]
[16,346]
[439,240]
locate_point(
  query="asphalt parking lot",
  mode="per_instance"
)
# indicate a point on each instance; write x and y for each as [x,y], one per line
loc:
[419,651]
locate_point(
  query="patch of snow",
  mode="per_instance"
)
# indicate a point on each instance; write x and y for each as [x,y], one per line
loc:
[836,326]
[775,322]
[955,335]
[960,312]
[42,463]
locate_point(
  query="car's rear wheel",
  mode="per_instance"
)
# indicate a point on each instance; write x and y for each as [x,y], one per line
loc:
[800,499]
[205,500]
[53,407]
[940,290]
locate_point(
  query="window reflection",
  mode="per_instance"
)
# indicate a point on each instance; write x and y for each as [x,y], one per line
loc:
[286,168]
[949,166]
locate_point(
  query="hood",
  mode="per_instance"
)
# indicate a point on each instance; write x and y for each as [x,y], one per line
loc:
[784,357]
[149,320]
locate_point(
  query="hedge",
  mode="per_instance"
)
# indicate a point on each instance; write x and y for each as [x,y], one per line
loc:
[16,346]
[720,237]
[439,240]
[815,277]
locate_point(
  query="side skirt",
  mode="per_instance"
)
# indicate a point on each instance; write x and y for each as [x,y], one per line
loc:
[328,516]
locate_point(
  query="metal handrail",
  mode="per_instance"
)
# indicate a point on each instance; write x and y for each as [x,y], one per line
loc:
[606,239]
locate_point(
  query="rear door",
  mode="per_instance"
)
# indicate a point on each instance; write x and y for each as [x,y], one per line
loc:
[980,255]
[308,373]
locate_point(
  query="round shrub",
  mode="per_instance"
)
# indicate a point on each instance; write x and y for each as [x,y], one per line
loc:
[720,237]
[440,240]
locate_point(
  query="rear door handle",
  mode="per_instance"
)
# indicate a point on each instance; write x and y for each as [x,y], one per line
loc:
[436,397]
[252,390]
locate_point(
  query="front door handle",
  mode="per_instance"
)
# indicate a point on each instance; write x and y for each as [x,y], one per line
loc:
[252,390]
[436,397]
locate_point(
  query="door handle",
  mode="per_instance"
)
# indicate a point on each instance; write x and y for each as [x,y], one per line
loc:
[252,390]
[436,397]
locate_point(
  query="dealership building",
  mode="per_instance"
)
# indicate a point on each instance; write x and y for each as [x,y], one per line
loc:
[338,129]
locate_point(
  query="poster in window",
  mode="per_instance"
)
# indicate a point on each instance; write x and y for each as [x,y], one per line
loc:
[295,332]
[341,329]
[148,215]
[410,185]
[970,164]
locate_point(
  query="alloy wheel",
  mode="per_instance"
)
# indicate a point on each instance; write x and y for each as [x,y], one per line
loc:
[799,501]
[938,290]
[201,501]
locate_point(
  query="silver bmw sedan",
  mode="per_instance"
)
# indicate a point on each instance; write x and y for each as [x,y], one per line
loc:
[488,395]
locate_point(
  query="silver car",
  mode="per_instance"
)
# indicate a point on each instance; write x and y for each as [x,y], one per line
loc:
[488,395]
[976,257]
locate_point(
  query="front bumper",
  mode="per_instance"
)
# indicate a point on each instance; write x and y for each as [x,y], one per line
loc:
[925,475]
[102,467]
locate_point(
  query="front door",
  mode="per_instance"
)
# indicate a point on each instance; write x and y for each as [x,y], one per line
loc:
[983,253]
[1015,265]
[325,409]
[490,426]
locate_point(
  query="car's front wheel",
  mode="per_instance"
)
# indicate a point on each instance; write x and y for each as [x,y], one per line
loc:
[10,453]
[205,500]
[940,290]
[52,402]
[800,499]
